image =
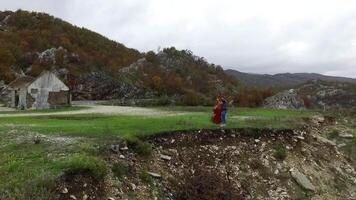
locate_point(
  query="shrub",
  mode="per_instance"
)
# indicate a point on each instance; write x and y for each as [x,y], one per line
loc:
[145,177]
[280,152]
[120,169]
[83,163]
[141,148]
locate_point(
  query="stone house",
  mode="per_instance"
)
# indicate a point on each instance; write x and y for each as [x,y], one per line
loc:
[45,91]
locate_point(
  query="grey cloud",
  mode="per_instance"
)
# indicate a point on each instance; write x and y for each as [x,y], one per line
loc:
[258,42]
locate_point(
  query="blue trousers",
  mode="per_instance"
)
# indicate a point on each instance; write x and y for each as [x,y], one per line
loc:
[223,116]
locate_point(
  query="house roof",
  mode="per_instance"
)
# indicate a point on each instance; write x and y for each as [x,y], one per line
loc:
[21,81]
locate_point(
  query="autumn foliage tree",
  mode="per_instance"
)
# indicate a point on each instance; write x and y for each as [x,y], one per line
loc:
[252,97]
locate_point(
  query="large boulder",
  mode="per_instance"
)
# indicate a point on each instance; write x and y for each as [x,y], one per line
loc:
[302,180]
[288,99]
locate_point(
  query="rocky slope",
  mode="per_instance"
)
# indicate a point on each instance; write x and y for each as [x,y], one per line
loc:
[317,95]
[227,164]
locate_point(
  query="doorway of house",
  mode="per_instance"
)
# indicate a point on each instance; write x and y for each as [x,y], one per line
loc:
[16,98]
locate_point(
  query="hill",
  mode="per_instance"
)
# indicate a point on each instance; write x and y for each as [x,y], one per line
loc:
[315,94]
[283,80]
[96,67]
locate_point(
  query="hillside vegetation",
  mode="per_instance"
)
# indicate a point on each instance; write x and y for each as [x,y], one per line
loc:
[96,67]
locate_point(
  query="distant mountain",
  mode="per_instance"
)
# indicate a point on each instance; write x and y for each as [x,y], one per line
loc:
[284,80]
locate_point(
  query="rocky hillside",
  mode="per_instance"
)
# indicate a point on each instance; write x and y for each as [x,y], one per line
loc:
[284,80]
[315,94]
[96,67]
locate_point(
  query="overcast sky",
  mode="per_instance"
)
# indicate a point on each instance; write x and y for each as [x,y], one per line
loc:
[258,36]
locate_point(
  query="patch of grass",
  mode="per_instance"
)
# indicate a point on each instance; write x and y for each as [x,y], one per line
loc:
[280,151]
[350,150]
[142,148]
[84,163]
[120,169]
[145,177]
[95,125]
[333,134]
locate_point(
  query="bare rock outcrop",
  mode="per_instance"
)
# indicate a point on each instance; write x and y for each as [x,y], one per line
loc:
[285,100]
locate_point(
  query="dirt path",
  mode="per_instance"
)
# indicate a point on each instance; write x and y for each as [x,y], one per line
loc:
[100,109]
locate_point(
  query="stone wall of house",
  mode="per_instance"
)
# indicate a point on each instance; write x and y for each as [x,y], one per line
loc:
[61,98]
[44,90]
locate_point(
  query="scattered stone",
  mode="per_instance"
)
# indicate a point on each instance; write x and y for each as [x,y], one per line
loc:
[154,175]
[257,140]
[73,197]
[122,156]
[133,186]
[85,197]
[110,198]
[346,135]
[317,119]
[341,145]
[64,191]
[165,157]
[124,148]
[324,140]
[302,180]
[115,148]
[37,139]
[300,137]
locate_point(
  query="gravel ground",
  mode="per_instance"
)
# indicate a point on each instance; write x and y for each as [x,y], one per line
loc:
[100,109]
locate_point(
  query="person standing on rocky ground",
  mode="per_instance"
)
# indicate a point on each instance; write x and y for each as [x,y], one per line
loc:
[223,111]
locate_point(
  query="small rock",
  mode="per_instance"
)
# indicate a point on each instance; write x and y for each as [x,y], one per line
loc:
[133,186]
[326,141]
[124,148]
[85,197]
[341,145]
[172,141]
[37,139]
[302,180]
[64,191]
[154,175]
[73,197]
[115,148]
[165,157]
[346,135]
[85,185]
[257,140]
[110,198]
[300,137]
[121,156]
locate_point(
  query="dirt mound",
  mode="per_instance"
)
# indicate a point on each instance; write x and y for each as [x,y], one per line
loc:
[243,164]
[79,186]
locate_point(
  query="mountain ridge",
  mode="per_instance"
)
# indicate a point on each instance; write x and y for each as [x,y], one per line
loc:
[283,79]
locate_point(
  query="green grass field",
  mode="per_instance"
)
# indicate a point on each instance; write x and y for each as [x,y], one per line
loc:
[95,125]
[30,169]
